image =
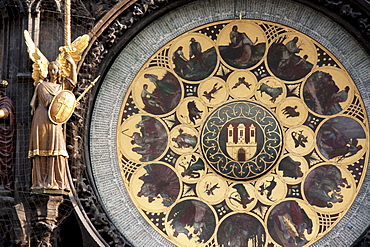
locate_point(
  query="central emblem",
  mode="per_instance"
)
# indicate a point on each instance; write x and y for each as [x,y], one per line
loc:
[241,144]
[241,140]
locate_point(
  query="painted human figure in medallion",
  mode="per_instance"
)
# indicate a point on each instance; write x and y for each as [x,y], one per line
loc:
[328,187]
[291,56]
[157,91]
[194,57]
[341,139]
[155,186]
[191,222]
[327,91]
[241,229]
[291,223]
[142,138]
[242,44]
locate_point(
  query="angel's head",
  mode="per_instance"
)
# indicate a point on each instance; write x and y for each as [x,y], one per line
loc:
[54,71]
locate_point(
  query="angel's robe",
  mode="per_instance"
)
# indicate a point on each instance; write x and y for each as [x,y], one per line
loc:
[47,141]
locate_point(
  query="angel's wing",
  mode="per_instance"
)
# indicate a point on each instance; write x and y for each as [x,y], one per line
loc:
[40,62]
[75,50]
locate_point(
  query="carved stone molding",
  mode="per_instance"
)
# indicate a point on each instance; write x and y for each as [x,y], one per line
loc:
[103,39]
[7,5]
[37,5]
[45,218]
[354,16]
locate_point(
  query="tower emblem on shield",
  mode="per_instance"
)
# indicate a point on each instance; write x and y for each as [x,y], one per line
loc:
[241,142]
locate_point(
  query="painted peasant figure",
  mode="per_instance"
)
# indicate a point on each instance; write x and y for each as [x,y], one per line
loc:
[47,140]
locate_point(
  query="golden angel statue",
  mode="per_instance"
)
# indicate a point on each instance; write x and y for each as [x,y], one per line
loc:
[52,104]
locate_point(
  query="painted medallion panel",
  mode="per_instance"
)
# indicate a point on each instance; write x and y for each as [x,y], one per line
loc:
[243,133]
